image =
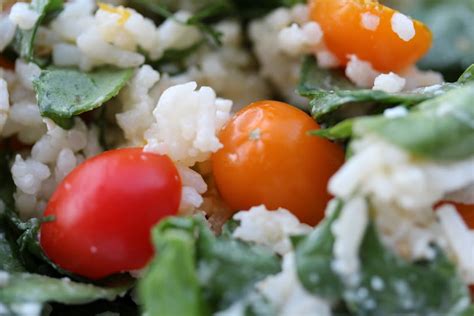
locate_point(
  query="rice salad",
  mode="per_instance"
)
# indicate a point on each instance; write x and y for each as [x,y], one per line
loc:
[224,157]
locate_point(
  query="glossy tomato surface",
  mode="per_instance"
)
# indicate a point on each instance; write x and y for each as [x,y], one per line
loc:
[269,158]
[104,210]
[364,28]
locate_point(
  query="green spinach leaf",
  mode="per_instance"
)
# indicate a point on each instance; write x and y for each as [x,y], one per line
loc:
[25,39]
[9,254]
[334,97]
[314,254]
[211,272]
[171,285]
[228,268]
[440,128]
[26,287]
[391,286]
[63,92]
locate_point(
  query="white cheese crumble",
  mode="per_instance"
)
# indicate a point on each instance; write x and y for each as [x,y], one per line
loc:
[460,239]
[22,15]
[403,26]
[370,21]
[390,83]
[269,228]
[186,123]
[287,295]
[349,231]
[390,175]
[398,111]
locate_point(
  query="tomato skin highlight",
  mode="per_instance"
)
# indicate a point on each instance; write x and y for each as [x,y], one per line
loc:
[104,211]
[345,34]
[269,158]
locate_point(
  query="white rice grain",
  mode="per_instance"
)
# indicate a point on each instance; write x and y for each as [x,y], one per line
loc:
[4,103]
[187,122]
[403,26]
[22,15]
[7,33]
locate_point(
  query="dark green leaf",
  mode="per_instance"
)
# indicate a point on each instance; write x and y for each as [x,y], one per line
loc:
[9,255]
[467,76]
[228,268]
[171,286]
[334,98]
[339,131]
[24,40]
[25,287]
[314,254]
[314,80]
[390,286]
[208,273]
[64,93]
[440,128]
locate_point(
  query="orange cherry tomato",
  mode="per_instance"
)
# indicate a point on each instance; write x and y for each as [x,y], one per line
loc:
[364,28]
[268,158]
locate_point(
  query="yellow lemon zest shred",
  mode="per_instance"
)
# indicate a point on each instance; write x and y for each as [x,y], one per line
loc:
[123,12]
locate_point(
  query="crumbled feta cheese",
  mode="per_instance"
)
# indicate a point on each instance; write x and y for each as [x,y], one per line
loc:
[390,83]
[370,21]
[22,15]
[269,228]
[395,112]
[360,72]
[349,230]
[403,26]
[187,121]
[390,175]
[288,296]
[459,238]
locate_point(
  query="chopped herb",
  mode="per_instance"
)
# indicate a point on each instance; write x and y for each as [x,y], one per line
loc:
[25,39]
[63,93]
